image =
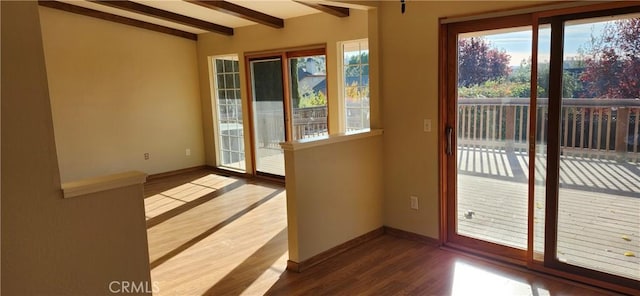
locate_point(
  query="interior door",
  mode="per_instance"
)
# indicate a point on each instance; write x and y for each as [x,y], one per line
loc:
[488,138]
[269,116]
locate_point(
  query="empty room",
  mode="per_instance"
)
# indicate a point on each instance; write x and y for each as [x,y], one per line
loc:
[320,147]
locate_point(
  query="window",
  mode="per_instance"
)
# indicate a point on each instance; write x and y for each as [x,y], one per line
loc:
[228,108]
[355,84]
[308,92]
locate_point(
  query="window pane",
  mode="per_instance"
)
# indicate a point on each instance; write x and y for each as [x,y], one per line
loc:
[228,66]
[599,192]
[308,96]
[355,84]
[268,115]
[230,145]
[221,84]
[219,65]
[492,136]
[542,129]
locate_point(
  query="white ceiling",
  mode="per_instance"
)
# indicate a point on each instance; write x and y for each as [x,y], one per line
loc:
[283,9]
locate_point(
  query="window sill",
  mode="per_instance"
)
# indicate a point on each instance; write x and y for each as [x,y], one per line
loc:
[102,183]
[328,140]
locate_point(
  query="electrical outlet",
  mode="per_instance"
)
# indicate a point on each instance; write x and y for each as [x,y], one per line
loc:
[188,152]
[427,125]
[146,156]
[413,202]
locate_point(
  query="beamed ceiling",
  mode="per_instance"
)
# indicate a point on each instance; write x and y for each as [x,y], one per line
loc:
[189,18]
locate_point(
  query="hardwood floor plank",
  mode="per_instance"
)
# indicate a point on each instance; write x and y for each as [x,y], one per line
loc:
[411,268]
[234,242]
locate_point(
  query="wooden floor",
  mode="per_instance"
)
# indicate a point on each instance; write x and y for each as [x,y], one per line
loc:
[599,209]
[231,236]
[218,235]
[394,266]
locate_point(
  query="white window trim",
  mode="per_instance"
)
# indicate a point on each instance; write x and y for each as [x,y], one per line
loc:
[342,123]
[213,90]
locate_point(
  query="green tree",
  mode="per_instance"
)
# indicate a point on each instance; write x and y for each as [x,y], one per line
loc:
[295,94]
[571,85]
[352,68]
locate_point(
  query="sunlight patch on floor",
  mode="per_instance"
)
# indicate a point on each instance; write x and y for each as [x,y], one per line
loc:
[198,268]
[471,280]
[175,197]
[268,278]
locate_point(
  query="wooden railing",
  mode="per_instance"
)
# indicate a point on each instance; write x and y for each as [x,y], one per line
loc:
[589,126]
[309,122]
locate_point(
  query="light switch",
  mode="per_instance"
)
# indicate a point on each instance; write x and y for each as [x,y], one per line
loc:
[413,202]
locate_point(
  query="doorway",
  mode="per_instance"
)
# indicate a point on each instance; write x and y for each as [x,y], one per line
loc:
[269,119]
[539,156]
[288,92]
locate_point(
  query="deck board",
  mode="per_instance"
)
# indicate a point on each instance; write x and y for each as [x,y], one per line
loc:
[270,160]
[599,202]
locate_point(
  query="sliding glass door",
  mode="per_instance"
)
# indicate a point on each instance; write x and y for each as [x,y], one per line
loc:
[541,147]
[228,105]
[488,136]
[288,102]
[269,128]
[596,194]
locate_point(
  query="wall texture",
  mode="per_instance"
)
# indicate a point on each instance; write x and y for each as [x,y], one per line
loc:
[301,31]
[51,245]
[118,92]
[409,94]
[334,194]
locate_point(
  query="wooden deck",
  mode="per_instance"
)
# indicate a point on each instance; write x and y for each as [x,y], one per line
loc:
[270,160]
[599,216]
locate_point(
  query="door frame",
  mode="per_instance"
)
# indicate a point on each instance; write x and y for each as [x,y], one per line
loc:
[448,85]
[285,92]
[447,163]
[284,56]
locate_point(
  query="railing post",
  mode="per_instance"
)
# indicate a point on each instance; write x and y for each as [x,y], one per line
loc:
[510,127]
[622,132]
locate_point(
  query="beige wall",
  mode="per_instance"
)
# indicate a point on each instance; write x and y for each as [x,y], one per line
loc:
[118,92]
[334,194]
[51,245]
[409,94]
[301,31]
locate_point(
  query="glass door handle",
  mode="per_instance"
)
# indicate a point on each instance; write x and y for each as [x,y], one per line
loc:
[449,131]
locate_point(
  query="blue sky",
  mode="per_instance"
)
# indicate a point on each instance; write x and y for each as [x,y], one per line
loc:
[518,44]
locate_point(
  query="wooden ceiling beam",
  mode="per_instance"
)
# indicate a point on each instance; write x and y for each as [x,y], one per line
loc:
[241,12]
[166,15]
[116,19]
[332,10]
